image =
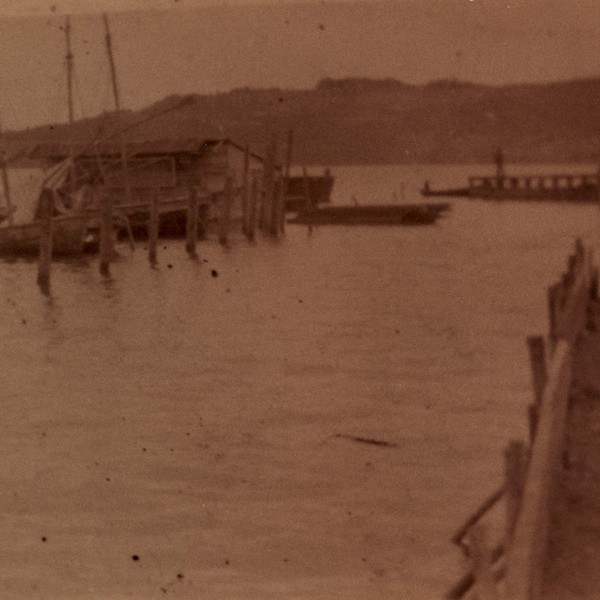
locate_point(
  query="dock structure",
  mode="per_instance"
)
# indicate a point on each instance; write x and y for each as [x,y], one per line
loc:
[551,491]
[181,187]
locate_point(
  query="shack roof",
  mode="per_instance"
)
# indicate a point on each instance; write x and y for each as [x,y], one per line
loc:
[57,151]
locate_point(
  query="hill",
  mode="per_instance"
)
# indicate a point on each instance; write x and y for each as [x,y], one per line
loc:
[365,121]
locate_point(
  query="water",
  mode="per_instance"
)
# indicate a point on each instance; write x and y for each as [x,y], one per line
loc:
[194,421]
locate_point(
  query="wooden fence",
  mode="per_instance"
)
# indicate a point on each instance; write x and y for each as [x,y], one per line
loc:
[513,569]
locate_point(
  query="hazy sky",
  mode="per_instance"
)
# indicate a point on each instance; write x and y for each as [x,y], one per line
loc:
[203,46]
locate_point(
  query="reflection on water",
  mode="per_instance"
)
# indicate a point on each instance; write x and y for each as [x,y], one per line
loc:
[190,417]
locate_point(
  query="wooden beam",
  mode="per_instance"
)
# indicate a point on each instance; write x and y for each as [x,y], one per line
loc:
[192,222]
[106,232]
[45,255]
[153,227]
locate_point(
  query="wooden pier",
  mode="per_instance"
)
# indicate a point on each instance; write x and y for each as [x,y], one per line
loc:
[538,557]
[240,200]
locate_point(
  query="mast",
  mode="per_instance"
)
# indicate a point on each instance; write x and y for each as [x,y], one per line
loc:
[111,62]
[69,58]
[113,75]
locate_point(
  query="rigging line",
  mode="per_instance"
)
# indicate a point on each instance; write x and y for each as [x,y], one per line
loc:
[79,94]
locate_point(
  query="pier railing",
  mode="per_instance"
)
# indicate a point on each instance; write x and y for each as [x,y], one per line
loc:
[512,569]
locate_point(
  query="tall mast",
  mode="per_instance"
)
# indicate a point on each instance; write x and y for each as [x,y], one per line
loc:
[111,62]
[69,58]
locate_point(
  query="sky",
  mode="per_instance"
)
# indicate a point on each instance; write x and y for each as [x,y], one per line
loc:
[203,46]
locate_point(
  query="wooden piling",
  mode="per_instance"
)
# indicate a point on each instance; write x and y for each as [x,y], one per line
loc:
[308,204]
[553,293]
[533,417]
[252,209]
[277,207]
[153,227]
[106,231]
[306,190]
[286,178]
[266,212]
[224,217]
[515,457]
[192,222]
[246,190]
[539,370]
[481,554]
[45,256]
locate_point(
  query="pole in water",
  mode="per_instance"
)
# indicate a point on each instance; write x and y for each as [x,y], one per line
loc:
[106,232]
[153,227]
[252,199]
[286,179]
[308,204]
[45,258]
[192,222]
[245,189]
[226,201]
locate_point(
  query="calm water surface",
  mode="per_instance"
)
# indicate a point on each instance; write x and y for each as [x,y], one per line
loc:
[196,422]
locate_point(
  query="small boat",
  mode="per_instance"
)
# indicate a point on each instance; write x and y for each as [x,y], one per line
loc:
[73,228]
[70,237]
[374,214]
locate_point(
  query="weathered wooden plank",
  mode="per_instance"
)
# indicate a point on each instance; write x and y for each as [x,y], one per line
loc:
[106,232]
[45,256]
[153,227]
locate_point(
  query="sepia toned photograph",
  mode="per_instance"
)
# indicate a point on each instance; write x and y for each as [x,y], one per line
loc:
[300,299]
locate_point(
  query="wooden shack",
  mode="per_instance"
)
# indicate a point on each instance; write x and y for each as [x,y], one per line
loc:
[164,164]
[132,173]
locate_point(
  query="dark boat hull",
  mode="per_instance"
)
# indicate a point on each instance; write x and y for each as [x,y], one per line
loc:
[68,238]
[398,214]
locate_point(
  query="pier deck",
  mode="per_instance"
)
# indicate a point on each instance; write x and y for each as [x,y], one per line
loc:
[571,569]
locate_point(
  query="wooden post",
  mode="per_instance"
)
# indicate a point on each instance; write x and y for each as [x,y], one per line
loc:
[481,554]
[306,190]
[252,209]
[226,201]
[127,187]
[45,259]
[192,222]
[539,371]
[308,205]
[594,283]
[515,457]
[106,231]
[153,226]
[277,206]
[266,212]
[246,190]
[286,178]
[553,315]
[273,218]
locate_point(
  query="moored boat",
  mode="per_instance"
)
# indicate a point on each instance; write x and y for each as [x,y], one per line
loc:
[374,214]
